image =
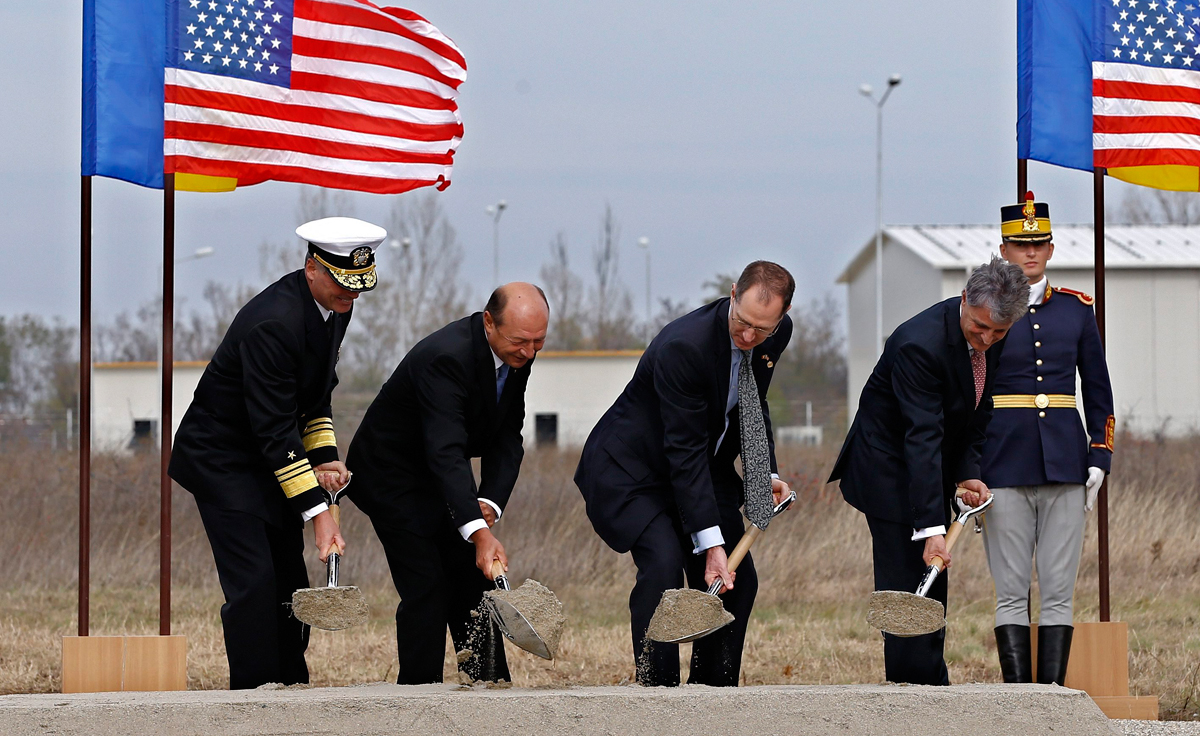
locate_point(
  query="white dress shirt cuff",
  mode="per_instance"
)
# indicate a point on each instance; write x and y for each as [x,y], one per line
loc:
[927,532]
[706,538]
[495,508]
[307,516]
[466,530]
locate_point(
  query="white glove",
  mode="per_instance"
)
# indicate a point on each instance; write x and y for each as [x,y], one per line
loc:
[1095,478]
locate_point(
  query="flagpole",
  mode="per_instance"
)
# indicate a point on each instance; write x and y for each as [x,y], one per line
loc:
[85,404]
[1102,498]
[164,422]
[1022,178]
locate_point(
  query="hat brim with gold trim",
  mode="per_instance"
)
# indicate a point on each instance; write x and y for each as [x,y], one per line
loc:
[1025,223]
[354,278]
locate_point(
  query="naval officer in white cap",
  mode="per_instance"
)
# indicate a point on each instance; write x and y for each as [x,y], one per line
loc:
[259,434]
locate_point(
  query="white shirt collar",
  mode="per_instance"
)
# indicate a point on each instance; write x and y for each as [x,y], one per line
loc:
[496,358]
[1037,292]
[324,312]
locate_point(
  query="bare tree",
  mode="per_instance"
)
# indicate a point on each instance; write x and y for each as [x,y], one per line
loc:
[39,364]
[612,305]
[419,289]
[1145,206]
[564,290]
[718,287]
[669,311]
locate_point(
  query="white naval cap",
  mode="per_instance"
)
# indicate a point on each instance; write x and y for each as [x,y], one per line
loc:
[345,246]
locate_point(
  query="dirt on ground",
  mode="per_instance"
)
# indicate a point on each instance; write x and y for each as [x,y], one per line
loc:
[905,614]
[331,609]
[684,612]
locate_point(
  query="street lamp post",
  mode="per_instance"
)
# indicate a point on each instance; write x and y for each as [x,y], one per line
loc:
[644,243]
[195,256]
[867,91]
[495,210]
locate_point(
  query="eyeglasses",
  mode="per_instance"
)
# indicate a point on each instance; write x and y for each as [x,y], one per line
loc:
[744,325]
[526,343]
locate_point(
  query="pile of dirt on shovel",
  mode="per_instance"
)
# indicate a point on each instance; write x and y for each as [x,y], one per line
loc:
[683,612]
[330,608]
[905,614]
[540,607]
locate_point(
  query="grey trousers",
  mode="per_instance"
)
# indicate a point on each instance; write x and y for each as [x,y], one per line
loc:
[1023,520]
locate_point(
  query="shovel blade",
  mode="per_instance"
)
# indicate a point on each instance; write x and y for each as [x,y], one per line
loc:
[900,613]
[515,627]
[331,609]
[685,615]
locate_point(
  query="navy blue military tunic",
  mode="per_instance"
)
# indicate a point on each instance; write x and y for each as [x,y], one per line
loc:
[1035,436]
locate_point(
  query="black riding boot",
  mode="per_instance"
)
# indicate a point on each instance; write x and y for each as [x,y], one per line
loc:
[1012,644]
[1054,649]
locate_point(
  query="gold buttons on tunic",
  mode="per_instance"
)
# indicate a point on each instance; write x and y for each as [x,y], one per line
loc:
[1041,414]
[1039,361]
[1038,344]
[1037,327]
[1032,310]
[1039,378]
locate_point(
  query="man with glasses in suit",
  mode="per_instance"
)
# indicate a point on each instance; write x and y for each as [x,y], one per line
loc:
[658,473]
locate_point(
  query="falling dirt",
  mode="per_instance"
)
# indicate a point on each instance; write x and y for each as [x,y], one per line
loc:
[905,614]
[684,612]
[464,655]
[540,607]
[331,608]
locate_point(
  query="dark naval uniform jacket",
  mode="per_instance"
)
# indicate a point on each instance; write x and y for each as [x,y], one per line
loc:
[918,431]
[656,447]
[1036,436]
[260,419]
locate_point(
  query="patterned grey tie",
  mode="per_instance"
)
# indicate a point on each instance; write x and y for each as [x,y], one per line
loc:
[756,459]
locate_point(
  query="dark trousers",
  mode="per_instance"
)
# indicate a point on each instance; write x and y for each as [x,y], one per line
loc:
[899,566]
[260,565]
[434,571]
[663,555]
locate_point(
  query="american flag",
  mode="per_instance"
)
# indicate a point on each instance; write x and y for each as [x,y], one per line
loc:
[1146,88]
[335,93]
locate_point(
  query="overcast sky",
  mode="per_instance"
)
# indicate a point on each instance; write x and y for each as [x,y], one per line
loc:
[723,132]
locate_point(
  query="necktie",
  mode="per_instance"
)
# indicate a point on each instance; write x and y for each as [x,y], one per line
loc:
[979,368]
[501,377]
[756,459]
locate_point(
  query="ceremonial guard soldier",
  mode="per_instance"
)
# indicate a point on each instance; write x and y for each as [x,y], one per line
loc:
[257,443]
[1039,462]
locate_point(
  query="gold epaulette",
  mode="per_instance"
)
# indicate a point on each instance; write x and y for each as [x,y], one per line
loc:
[296,478]
[1087,299]
[318,433]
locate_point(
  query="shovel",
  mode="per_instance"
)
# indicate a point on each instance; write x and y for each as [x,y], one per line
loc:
[333,607]
[686,614]
[512,623]
[900,613]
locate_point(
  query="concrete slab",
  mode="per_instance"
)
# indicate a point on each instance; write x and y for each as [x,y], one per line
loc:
[433,710]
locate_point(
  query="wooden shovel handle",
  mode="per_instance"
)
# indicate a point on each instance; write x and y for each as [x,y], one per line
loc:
[336,512]
[497,569]
[951,538]
[743,546]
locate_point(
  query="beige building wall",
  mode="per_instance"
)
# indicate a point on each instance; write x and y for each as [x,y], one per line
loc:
[124,393]
[575,388]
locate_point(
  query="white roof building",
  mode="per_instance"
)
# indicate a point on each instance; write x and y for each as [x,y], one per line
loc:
[1152,305]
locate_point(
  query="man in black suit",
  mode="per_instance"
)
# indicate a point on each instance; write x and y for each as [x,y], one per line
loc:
[257,441]
[918,434]
[457,395]
[658,475]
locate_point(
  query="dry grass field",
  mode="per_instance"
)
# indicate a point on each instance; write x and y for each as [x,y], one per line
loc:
[809,626]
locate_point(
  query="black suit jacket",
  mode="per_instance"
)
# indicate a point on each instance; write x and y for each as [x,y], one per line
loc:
[260,419]
[436,412]
[657,445]
[917,432]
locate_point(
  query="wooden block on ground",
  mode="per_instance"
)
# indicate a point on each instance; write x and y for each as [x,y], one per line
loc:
[92,664]
[155,663]
[1139,708]
[1099,663]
